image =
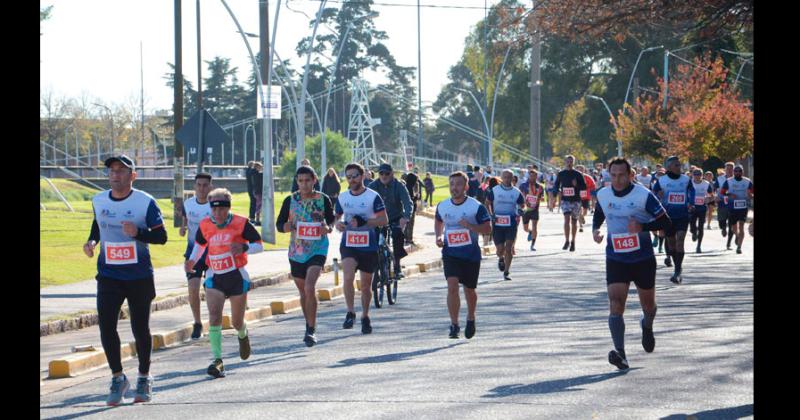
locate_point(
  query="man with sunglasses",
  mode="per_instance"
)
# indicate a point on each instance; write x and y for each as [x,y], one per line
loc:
[358,212]
[398,209]
[739,192]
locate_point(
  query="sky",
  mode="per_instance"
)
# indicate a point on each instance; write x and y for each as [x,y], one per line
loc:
[91,47]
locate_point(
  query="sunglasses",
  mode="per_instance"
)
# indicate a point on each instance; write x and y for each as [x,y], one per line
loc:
[352,176]
[384,173]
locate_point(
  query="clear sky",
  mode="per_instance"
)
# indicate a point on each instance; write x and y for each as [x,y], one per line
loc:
[92,46]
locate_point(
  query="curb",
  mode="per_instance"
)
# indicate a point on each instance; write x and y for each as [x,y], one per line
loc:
[78,363]
[89,320]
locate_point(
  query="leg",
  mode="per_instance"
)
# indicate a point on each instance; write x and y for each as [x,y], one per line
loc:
[300,283]
[109,302]
[139,305]
[349,275]
[238,306]
[508,247]
[215,300]
[472,301]
[739,233]
[453,299]
[566,227]
[194,298]
[366,293]
[617,296]
[574,227]
[310,287]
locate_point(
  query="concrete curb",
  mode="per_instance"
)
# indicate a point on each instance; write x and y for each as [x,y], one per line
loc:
[88,320]
[75,364]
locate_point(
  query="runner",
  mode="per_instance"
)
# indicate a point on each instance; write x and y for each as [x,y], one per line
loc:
[739,191]
[677,196]
[125,221]
[459,221]
[709,177]
[505,204]
[308,215]
[550,182]
[631,211]
[703,194]
[585,195]
[569,184]
[490,183]
[363,211]
[229,238]
[644,178]
[533,192]
[195,210]
[722,202]
[658,236]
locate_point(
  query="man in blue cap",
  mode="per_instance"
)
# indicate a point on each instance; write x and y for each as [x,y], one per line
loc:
[398,208]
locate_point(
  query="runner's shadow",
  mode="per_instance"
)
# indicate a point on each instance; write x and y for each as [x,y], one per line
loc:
[68,295]
[386,358]
[84,413]
[719,413]
[558,385]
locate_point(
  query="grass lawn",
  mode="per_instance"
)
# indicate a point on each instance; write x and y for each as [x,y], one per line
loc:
[62,235]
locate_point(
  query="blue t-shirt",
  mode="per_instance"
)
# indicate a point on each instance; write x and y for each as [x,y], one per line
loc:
[505,202]
[678,194]
[738,190]
[365,205]
[701,190]
[194,213]
[122,257]
[465,242]
[640,204]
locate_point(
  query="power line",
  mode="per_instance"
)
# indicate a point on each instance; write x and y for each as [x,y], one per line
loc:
[730,72]
[431,6]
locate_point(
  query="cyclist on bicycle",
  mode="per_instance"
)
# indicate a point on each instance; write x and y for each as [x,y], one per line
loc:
[398,207]
[363,211]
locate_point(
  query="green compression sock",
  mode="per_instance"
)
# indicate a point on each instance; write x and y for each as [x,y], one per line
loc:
[215,338]
[243,331]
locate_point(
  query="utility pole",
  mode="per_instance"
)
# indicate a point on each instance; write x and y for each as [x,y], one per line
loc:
[141,73]
[200,144]
[177,152]
[268,187]
[536,91]
[419,82]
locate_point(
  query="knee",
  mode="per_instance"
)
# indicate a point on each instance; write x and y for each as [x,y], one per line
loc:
[310,294]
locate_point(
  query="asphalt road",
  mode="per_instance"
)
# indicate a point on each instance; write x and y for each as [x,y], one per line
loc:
[539,351]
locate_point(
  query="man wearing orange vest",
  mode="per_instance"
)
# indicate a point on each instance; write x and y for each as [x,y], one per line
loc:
[228,238]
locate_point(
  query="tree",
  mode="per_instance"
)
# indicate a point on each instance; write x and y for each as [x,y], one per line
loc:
[704,117]
[339,154]
[567,137]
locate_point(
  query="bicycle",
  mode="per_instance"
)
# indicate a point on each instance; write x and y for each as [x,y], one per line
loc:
[385,277]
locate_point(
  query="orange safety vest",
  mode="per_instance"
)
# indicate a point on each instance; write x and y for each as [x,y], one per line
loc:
[219,242]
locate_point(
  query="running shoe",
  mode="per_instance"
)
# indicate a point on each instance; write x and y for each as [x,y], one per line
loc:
[119,386]
[580,229]
[648,339]
[244,347]
[724,233]
[506,276]
[532,248]
[698,249]
[144,389]
[530,236]
[399,274]
[572,246]
[501,264]
[216,369]
[618,360]
[310,338]
[738,250]
[454,329]
[694,236]
[197,331]
[469,332]
[676,278]
[349,320]
[668,261]
[566,245]
[366,327]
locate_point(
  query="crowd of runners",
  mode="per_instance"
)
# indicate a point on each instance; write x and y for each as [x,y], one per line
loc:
[642,213]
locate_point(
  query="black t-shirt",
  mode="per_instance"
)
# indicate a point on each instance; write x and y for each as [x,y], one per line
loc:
[570,183]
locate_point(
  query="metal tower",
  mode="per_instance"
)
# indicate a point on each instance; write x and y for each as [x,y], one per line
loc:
[359,129]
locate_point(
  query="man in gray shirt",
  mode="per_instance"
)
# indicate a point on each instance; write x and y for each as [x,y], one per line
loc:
[398,208]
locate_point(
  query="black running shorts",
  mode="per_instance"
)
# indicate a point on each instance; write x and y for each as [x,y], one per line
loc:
[530,215]
[678,225]
[466,271]
[642,273]
[366,261]
[737,216]
[503,234]
[300,270]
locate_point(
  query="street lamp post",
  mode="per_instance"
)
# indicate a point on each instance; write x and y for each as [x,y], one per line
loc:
[485,124]
[111,123]
[634,71]
[301,107]
[613,121]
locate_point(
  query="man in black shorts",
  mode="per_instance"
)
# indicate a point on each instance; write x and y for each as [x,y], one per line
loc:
[569,184]
[632,212]
[459,220]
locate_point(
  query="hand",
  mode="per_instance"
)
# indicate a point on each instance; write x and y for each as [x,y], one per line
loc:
[353,223]
[237,248]
[88,248]
[597,236]
[403,223]
[634,226]
[287,227]
[182,231]
[340,226]
[188,266]
[440,242]
[129,229]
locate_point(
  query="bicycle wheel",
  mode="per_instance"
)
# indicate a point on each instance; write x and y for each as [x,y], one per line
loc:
[391,282]
[377,283]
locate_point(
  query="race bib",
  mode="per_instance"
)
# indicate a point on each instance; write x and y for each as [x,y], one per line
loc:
[458,237]
[568,191]
[119,253]
[502,221]
[739,204]
[309,231]
[532,200]
[357,239]
[725,200]
[222,263]
[699,201]
[584,195]
[676,198]
[625,242]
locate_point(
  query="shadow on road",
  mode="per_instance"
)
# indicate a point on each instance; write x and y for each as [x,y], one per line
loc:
[386,358]
[719,413]
[558,385]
